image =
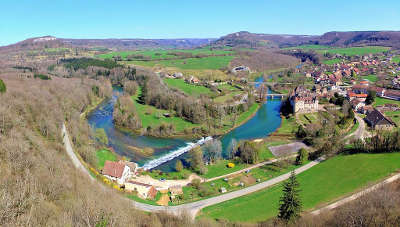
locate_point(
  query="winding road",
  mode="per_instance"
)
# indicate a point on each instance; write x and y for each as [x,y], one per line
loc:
[360,133]
[188,208]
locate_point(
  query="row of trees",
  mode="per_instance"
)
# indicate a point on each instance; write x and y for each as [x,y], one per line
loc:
[381,142]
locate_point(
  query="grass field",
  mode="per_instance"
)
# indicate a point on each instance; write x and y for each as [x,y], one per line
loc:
[213,62]
[166,58]
[262,173]
[381,101]
[245,116]
[308,47]
[189,89]
[165,54]
[370,78]
[336,177]
[151,116]
[288,126]
[103,155]
[227,88]
[350,51]
[332,61]
[394,115]
[396,59]
[225,98]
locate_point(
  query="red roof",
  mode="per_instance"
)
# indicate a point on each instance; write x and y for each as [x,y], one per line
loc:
[113,169]
[352,94]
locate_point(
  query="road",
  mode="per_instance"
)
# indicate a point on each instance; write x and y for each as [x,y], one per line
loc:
[188,208]
[356,195]
[360,133]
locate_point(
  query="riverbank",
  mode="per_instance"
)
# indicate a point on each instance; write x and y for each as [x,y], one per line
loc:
[92,107]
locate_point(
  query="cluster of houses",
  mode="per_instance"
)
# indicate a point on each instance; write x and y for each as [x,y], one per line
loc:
[305,101]
[332,75]
[124,172]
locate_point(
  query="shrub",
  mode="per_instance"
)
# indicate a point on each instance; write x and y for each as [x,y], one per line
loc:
[3,87]
[42,77]
[178,166]
[302,156]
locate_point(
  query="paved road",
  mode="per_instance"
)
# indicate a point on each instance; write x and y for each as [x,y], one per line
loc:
[188,208]
[356,195]
[360,133]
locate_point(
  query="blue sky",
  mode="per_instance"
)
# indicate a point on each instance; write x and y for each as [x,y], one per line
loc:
[21,19]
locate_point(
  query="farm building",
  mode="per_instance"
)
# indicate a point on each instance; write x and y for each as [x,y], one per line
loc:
[378,121]
[144,191]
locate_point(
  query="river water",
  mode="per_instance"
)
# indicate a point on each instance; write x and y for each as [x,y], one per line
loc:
[264,122]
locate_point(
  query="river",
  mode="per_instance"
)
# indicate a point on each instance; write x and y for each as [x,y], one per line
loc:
[263,123]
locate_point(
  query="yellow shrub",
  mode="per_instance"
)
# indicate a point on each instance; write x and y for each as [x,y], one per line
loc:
[231,165]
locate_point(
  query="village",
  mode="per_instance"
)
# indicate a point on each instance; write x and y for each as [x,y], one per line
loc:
[357,81]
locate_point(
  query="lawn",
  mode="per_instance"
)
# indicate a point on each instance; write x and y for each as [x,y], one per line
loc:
[246,115]
[226,97]
[189,89]
[157,174]
[394,115]
[334,178]
[151,116]
[381,101]
[332,61]
[220,168]
[288,126]
[227,87]
[104,155]
[371,78]
[350,51]
[396,59]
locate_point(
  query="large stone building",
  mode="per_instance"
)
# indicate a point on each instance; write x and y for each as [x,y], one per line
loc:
[303,100]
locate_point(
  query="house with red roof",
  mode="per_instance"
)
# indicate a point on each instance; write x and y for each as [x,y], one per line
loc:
[117,171]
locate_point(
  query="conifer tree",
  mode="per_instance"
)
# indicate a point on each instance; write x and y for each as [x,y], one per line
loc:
[290,204]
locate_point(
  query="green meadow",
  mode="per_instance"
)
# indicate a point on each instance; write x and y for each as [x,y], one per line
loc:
[103,155]
[189,89]
[350,51]
[213,62]
[151,116]
[323,183]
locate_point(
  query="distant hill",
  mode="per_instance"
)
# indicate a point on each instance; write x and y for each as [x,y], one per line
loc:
[355,38]
[120,44]
[128,44]
[371,38]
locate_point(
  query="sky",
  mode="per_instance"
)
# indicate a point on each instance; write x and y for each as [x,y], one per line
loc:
[22,19]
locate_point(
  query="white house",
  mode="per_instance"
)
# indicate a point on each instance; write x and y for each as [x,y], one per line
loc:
[117,171]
